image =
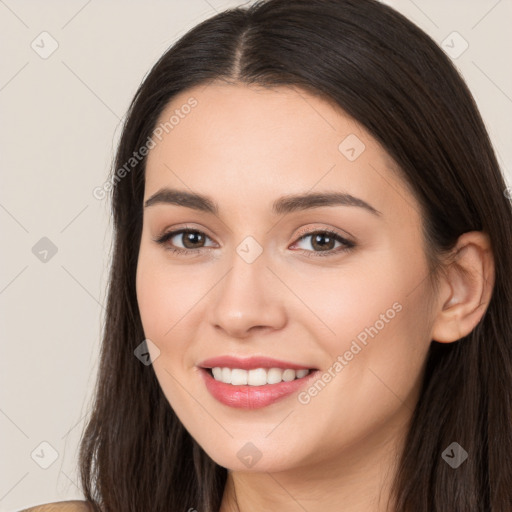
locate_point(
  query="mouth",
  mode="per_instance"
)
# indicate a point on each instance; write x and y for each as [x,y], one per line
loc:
[255,382]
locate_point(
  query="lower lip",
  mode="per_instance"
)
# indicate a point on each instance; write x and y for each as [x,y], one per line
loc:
[252,397]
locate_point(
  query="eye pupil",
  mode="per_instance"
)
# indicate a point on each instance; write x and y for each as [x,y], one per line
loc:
[315,241]
[192,236]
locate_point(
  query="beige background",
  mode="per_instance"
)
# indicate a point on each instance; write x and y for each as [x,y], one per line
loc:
[60,121]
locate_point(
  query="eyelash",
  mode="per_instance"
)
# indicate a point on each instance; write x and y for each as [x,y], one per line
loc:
[162,239]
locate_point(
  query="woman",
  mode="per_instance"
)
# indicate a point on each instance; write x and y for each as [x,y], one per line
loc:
[312,248]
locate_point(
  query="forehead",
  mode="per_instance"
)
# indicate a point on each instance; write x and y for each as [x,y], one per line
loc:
[263,142]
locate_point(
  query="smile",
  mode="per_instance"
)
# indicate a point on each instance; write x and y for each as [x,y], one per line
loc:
[253,382]
[256,377]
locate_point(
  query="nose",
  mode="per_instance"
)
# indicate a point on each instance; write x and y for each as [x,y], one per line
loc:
[248,300]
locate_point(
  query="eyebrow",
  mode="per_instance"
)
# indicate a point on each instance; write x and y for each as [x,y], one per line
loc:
[282,205]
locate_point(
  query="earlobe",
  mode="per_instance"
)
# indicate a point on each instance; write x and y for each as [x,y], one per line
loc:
[468,284]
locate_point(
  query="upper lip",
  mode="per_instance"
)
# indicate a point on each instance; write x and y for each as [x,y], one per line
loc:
[250,363]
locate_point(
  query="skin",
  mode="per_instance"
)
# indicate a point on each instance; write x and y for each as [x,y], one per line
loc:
[245,147]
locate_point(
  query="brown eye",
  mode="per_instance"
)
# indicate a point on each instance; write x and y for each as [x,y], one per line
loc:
[192,241]
[323,243]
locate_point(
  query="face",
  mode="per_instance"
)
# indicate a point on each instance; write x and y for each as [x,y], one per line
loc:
[336,285]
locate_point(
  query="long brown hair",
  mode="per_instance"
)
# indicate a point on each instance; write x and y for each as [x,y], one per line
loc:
[135,454]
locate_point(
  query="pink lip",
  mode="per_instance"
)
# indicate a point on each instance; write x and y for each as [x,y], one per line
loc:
[252,397]
[250,363]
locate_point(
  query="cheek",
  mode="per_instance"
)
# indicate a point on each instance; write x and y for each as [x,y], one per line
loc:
[375,356]
[351,301]
[165,293]
[376,315]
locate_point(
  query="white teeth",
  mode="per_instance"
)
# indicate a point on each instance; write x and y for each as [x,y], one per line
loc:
[288,375]
[238,377]
[226,375]
[217,373]
[274,375]
[256,377]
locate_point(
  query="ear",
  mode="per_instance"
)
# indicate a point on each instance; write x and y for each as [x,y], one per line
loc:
[466,288]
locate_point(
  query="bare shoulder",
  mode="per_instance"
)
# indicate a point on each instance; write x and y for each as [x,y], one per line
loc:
[61,506]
